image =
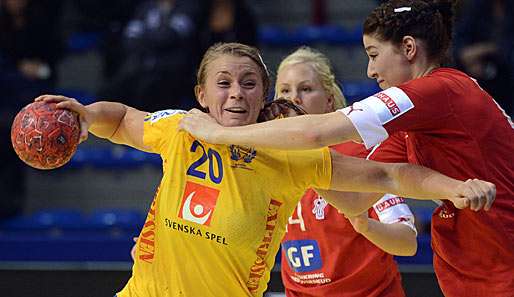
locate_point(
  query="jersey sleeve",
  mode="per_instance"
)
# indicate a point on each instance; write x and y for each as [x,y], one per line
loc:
[417,105]
[311,168]
[159,128]
[392,209]
[391,150]
[351,148]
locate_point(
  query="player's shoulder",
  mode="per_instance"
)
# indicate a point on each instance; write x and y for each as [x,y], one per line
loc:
[430,82]
[160,129]
[439,87]
[299,155]
[164,116]
[439,80]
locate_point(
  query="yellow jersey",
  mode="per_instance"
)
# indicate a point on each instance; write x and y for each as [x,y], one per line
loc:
[219,214]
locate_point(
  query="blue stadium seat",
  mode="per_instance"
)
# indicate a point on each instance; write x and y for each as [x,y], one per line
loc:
[358,90]
[339,35]
[83,41]
[354,35]
[276,35]
[306,35]
[138,157]
[423,214]
[45,219]
[272,35]
[423,218]
[71,246]
[67,235]
[125,219]
[93,156]
[112,157]
[81,95]
[424,254]
[335,34]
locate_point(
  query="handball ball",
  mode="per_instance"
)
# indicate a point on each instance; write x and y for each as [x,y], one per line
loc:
[45,137]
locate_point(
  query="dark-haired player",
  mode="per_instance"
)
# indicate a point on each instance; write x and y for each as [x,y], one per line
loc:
[453,126]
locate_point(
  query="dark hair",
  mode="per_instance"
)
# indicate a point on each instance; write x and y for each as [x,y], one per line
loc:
[428,20]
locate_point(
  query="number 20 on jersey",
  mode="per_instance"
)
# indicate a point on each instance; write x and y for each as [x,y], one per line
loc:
[213,158]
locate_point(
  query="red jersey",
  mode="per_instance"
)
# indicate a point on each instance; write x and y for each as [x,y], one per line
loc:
[322,255]
[456,128]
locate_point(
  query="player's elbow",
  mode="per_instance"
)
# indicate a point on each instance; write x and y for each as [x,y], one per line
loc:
[409,246]
[347,209]
[352,211]
[324,129]
[410,249]
[384,178]
[313,138]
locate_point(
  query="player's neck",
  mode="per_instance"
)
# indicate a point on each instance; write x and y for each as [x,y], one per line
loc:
[423,70]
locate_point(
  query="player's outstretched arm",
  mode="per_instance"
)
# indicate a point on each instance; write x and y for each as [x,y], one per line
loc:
[350,203]
[407,180]
[396,238]
[114,121]
[301,132]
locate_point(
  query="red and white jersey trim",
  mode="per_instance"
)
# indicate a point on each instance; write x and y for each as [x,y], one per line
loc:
[393,209]
[371,114]
[389,104]
[368,125]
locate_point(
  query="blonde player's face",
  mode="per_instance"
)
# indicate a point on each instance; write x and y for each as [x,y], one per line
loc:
[301,84]
[387,64]
[233,90]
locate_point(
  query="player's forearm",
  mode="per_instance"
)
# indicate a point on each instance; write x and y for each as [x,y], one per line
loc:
[106,118]
[406,180]
[350,203]
[350,174]
[302,132]
[395,239]
[423,183]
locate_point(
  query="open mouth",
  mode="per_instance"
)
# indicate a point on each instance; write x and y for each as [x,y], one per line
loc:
[236,110]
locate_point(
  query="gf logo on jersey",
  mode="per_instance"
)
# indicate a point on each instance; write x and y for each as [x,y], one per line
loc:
[302,255]
[198,203]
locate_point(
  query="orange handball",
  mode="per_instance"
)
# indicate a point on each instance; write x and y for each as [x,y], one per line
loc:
[45,137]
